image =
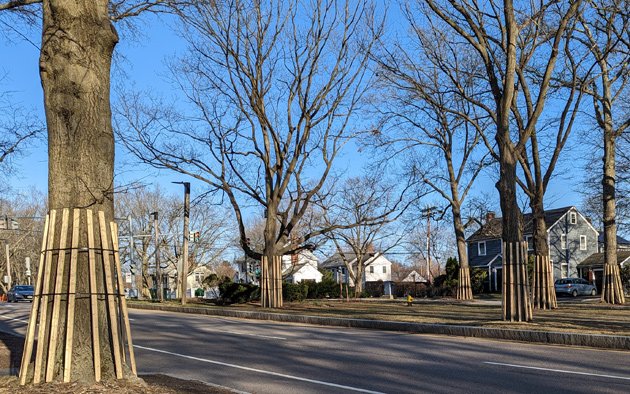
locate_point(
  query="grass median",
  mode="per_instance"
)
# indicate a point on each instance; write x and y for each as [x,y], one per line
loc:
[582,316]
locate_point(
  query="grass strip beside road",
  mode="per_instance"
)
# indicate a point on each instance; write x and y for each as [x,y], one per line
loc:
[589,317]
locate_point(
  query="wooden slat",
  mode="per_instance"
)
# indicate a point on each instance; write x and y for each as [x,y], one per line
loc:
[96,344]
[111,305]
[56,296]
[43,320]
[32,321]
[121,294]
[503,280]
[72,287]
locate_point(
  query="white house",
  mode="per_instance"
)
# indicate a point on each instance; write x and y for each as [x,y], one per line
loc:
[414,276]
[376,268]
[300,267]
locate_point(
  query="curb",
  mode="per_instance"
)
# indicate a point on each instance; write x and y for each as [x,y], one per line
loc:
[616,342]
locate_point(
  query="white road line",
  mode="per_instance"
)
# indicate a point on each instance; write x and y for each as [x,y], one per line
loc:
[260,371]
[245,334]
[560,371]
[12,318]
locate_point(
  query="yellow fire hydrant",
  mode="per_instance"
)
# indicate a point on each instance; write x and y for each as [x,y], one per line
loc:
[409,300]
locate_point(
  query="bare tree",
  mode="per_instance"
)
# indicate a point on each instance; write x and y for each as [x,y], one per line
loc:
[78,41]
[429,117]
[357,201]
[604,28]
[275,86]
[493,32]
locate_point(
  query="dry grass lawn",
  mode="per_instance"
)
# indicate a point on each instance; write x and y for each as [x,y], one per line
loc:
[584,316]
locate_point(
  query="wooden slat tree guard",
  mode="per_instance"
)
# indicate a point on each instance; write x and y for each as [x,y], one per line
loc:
[53,313]
[543,291]
[464,288]
[271,282]
[517,304]
[612,290]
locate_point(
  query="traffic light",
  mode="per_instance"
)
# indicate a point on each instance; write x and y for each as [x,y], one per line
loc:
[194,236]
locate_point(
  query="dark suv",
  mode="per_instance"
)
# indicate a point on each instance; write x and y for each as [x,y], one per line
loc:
[20,293]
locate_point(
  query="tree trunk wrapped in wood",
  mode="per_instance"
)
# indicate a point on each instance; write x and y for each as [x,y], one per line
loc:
[271,282]
[79,267]
[612,291]
[543,290]
[516,301]
[464,289]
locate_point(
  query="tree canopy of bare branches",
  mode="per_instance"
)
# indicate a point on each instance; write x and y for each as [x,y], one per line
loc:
[275,88]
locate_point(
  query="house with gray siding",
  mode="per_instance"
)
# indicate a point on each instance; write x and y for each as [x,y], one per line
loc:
[572,238]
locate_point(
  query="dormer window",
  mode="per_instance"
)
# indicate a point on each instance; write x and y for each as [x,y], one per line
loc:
[481,248]
[573,218]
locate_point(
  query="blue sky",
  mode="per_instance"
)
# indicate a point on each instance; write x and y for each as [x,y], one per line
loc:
[142,64]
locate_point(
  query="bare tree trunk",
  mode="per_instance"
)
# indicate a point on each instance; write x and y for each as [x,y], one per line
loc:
[612,291]
[543,291]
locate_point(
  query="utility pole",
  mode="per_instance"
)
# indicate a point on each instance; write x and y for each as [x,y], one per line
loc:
[27,262]
[428,213]
[8,266]
[158,269]
[184,269]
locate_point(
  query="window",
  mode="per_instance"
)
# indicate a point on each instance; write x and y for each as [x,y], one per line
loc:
[582,242]
[481,248]
[384,269]
[530,242]
[563,241]
[564,270]
[573,218]
[371,269]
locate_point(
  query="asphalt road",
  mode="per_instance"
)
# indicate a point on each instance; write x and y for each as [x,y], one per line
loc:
[269,357]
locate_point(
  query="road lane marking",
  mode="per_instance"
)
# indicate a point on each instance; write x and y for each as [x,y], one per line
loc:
[12,318]
[244,333]
[559,371]
[260,371]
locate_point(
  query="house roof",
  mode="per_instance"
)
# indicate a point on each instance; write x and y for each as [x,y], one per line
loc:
[414,276]
[620,240]
[337,261]
[597,259]
[494,227]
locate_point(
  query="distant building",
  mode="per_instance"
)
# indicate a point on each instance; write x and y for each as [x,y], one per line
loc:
[376,268]
[572,238]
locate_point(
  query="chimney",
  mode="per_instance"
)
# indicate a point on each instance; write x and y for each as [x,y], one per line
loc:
[370,249]
[489,216]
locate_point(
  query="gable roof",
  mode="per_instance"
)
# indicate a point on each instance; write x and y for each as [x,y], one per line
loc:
[494,227]
[337,261]
[620,240]
[597,259]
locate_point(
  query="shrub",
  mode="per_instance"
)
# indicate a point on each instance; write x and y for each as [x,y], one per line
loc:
[477,278]
[237,293]
[324,289]
[294,291]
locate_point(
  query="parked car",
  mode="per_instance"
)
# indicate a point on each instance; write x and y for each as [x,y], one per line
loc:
[574,287]
[20,293]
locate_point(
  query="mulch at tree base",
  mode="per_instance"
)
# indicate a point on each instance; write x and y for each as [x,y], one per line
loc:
[11,355]
[147,384]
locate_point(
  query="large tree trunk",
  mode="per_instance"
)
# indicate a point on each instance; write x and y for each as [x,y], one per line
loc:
[516,298]
[612,291]
[543,291]
[77,45]
[271,264]
[464,289]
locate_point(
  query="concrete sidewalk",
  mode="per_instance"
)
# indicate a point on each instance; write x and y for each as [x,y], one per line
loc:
[559,338]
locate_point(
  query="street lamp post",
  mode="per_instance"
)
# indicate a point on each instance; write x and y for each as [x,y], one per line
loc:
[158,269]
[184,268]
